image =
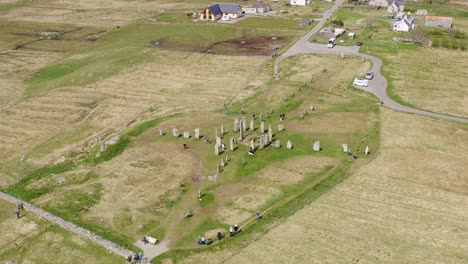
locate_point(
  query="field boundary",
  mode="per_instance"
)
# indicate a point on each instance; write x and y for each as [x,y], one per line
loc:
[111,246]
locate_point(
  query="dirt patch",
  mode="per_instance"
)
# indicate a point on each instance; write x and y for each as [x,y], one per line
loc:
[254,46]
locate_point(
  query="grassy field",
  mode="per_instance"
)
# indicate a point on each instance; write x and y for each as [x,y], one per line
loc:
[439,87]
[31,239]
[384,211]
[161,186]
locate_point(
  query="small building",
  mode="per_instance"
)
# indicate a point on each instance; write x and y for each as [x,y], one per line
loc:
[351,35]
[435,21]
[218,10]
[421,12]
[257,8]
[305,22]
[300,2]
[332,32]
[405,24]
[393,6]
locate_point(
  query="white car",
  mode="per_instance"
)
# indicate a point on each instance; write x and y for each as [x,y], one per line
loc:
[225,18]
[360,82]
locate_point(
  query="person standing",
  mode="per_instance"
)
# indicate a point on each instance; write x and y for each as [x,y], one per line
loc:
[17,213]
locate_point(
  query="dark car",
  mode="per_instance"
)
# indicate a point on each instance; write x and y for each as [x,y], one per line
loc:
[359,44]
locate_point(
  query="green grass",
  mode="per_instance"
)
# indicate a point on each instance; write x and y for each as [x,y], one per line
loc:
[269,23]
[207,198]
[19,190]
[203,227]
[7,7]
[75,202]
[267,222]
[124,49]
[61,140]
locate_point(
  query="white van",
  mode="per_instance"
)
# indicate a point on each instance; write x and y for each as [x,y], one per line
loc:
[331,43]
[361,82]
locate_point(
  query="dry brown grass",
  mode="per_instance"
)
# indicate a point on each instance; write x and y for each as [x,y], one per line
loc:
[31,239]
[432,79]
[16,66]
[239,202]
[108,13]
[407,206]
[177,82]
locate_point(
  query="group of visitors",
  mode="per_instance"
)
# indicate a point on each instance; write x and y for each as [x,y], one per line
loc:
[135,259]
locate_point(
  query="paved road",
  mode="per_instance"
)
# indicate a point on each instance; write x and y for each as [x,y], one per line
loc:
[377,86]
[69,226]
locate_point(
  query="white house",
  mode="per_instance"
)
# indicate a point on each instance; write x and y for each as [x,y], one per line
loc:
[218,10]
[300,2]
[393,6]
[257,8]
[405,24]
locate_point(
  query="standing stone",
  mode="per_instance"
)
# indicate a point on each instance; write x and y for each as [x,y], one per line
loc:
[197,133]
[252,144]
[270,133]
[226,159]
[222,128]
[262,142]
[280,127]
[312,108]
[289,145]
[175,132]
[244,125]
[231,144]
[262,127]
[218,168]
[252,127]
[277,144]
[367,150]
[241,130]
[222,162]
[216,149]
[236,124]
[161,132]
[266,141]
[345,148]
[186,134]
[218,141]
[316,146]
[260,118]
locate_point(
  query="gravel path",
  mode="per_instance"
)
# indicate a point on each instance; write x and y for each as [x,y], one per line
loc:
[377,86]
[70,226]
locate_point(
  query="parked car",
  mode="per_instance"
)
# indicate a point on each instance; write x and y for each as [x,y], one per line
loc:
[360,82]
[225,18]
[331,43]
[359,44]
[370,75]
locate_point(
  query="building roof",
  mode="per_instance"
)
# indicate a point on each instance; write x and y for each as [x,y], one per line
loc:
[215,9]
[228,8]
[260,4]
[439,19]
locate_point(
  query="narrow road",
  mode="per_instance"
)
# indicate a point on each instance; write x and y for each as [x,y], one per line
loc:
[377,86]
[111,246]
